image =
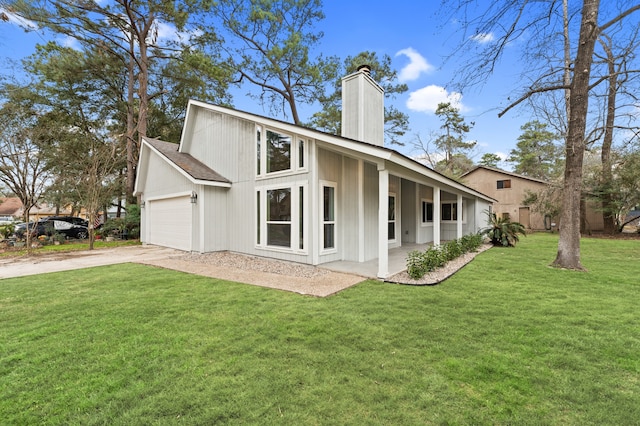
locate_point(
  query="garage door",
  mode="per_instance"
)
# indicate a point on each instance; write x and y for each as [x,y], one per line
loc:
[170,222]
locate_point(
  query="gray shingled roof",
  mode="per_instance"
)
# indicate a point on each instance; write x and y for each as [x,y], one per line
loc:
[186,162]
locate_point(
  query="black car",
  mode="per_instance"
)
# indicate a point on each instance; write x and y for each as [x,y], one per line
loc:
[50,227]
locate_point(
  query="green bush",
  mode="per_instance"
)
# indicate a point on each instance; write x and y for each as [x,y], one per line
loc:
[421,262]
[501,231]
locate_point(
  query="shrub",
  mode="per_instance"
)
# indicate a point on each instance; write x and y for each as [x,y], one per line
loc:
[419,263]
[502,231]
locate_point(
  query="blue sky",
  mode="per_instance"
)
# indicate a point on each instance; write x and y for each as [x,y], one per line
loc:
[417,40]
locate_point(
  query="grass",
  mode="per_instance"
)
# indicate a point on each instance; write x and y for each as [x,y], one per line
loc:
[507,340]
[74,245]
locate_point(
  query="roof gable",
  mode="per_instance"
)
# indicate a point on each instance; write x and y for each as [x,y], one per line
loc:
[185,162]
[504,172]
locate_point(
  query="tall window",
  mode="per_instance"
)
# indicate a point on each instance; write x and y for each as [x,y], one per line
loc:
[301,218]
[427,212]
[258,148]
[279,217]
[301,158]
[504,184]
[329,217]
[391,233]
[278,152]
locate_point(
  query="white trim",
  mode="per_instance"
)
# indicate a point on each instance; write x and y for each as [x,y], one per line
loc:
[436,216]
[421,215]
[383,217]
[335,222]
[395,218]
[314,214]
[180,170]
[294,239]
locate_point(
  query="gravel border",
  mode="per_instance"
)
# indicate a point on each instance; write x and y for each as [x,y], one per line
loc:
[440,274]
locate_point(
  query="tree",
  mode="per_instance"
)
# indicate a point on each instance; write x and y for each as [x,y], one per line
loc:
[329,118]
[22,167]
[536,154]
[513,18]
[129,31]
[490,160]
[269,44]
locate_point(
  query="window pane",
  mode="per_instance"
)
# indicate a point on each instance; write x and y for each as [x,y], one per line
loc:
[392,207]
[279,205]
[454,211]
[446,212]
[329,204]
[427,212]
[301,153]
[278,152]
[392,231]
[258,149]
[301,216]
[279,234]
[259,216]
[329,237]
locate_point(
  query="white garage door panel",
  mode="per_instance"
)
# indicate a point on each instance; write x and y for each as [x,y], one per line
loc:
[170,223]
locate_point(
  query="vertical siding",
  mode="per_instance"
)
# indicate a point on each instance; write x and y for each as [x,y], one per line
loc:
[409,208]
[370,211]
[349,210]
[215,222]
[224,143]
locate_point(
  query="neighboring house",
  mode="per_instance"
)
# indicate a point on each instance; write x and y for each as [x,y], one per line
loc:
[510,189]
[11,206]
[250,184]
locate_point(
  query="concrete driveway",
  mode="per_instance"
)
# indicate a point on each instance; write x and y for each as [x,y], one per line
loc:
[325,284]
[57,262]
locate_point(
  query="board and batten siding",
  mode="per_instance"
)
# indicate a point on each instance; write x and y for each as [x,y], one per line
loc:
[225,143]
[215,222]
[349,200]
[370,211]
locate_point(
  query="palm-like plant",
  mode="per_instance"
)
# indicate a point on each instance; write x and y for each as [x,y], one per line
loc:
[502,231]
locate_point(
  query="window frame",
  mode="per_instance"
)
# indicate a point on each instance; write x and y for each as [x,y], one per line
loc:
[423,203]
[452,204]
[298,152]
[321,241]
[298,222]
[500,184]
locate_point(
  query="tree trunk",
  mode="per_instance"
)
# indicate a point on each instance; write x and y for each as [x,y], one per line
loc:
[569,243]
[608,209]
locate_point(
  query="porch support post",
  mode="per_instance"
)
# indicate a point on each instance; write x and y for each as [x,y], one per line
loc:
[437,209]
[361,217]
[383,221]
[459,221]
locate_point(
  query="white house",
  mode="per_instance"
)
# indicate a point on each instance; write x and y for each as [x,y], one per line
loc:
[251,184]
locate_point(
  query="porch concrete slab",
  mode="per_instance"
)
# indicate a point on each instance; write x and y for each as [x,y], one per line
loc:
[369,269]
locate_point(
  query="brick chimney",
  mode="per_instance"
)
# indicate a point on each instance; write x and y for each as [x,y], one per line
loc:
[362,107]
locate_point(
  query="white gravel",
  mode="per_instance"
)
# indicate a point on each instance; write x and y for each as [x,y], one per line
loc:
[439,274]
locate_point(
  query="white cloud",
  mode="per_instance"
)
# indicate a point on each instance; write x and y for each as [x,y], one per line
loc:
[21,22]
[69,41]
[483,38]
[428,98]
[416,66]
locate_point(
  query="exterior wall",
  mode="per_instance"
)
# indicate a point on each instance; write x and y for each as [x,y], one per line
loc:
[593,217]
[214,219]
[509,200]
[409,211]
[370,211]
[350,235]
[425,230]
[164,181]
[223,142]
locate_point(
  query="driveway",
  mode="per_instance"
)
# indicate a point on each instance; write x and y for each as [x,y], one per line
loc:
[323,283]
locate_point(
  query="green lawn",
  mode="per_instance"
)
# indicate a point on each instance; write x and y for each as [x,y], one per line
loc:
[507,340]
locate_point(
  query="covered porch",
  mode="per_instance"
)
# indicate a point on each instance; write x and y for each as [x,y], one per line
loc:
[369,269]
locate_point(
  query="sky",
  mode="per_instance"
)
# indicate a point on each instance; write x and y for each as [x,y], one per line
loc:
[417,39]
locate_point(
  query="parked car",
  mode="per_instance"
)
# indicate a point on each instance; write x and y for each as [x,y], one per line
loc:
[49,227]
[71,219]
